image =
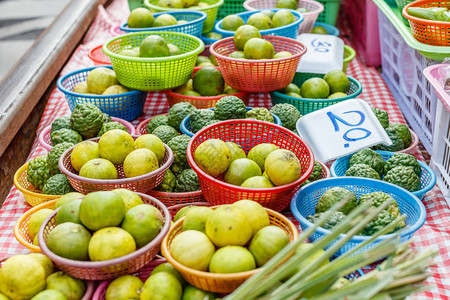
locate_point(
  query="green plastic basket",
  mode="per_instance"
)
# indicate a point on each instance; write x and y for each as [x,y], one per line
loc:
[230,7]
[305,105]
[330,12]
[349,55]
[154,74]
[211,10]
[438,53]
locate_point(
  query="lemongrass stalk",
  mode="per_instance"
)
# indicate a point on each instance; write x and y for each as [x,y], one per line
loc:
[404,291]
[345,291]
[408,280]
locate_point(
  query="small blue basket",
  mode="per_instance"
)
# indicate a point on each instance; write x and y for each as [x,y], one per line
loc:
[304,203]
[290,30]
[427,179]
[194,26]
[185,125]
[329,28]
[128,106]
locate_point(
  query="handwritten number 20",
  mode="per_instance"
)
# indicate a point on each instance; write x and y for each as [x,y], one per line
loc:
[335,119]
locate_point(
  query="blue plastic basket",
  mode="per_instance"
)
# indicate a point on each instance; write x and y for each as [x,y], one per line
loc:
[306,105]
[329,28]
[128,106]
[305,200]
[194,26]
[290,30]
[427,179]
[185,125]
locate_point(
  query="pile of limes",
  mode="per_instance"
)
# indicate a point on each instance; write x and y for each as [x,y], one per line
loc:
[100,81]
[143,18]
[152,46]
[263,20]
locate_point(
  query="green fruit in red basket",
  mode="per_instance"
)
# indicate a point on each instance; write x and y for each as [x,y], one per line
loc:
[188,86]
[140,18]
[153,143]
[206,64]
[232,22]
[130,198]
[69,212]
[69,240]
[228,225]
[257,48]
[236,151]
[143,222]
[167,267]
[232,259]
[259,153]
[45,262]
[337,81]
[81,88]
[213,60]
[230,91]
[283,17]
[98,168]
[237,54]
[72,288]
[115,145]
[243,34]
[195,218]
[267,242]
[21,277]
[201,59]
[282,54]
[290,4]
[124,287]
[102,209]
[315,88]
[162,286]
[337,95]
[115,89]
[260,21]
[193,249]
[282,167]
[140,162]
[319,30]
[36,221]
[129,52]
[192,293]
[254,212]
[99,79]
[110,242]
[240,170]
[154,46]
[208,81]
[174,50]
[257,182]
[49,295]
[164,20]
[213,157]
[67,198]
[191,93]
[82,153]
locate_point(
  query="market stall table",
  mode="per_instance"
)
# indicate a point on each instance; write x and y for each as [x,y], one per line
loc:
[435,232]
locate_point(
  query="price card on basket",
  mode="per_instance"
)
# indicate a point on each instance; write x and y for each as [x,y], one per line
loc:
[341,129]
[324,53]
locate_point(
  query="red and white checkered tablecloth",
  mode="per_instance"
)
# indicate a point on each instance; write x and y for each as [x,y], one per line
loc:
[435,232]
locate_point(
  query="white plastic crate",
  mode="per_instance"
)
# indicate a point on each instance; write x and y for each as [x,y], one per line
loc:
[402,70]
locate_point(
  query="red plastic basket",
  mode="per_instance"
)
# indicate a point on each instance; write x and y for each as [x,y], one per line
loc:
[247,134]
[143,274]
[142,127]
[436,33]
[262,75]
[170,199]
[175,208]
[98,57]
[112,268]
[141,183]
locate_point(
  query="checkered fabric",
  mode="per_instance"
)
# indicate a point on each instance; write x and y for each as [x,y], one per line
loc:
[435,232]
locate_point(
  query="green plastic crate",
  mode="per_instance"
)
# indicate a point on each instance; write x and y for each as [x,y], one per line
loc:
[135,4]
[330,12]
[230,7]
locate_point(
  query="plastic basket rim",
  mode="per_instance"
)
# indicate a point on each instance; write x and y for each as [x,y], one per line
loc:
[172,194]
[145,122]
[418,3]
[181,205]
[348,181]
[110,262]
[298,15]
[149,5]
[202,17]
[239,189]
[184,129]
[196,51]
[440,92]
[335,31]
[310,100]
[202,98]
[321,8]
[61,79]
[258,61]
[422,164]
[129,180]
[352,53]
[48,128]
[222,276]
[91,55]
[19,172]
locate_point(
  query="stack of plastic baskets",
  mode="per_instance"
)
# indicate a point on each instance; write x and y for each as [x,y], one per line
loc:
[330,12]
[230,7]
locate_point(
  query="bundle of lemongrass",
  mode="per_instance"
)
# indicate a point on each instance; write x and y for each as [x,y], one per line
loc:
[398,276]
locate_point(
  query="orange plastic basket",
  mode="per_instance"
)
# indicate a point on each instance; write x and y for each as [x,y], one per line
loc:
[21,226]
[435,33]
[214,282]
[32,195]
[98,57]
[170,199]
[141,183]
[112,268]
[249,133]
[262,75]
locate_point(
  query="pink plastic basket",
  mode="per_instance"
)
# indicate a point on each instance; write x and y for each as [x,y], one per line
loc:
[170,199]
[141,183]
[112,268]
[436,79]
[141,129]
[98,57]
[314,7]
[263,75]
[46,142]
